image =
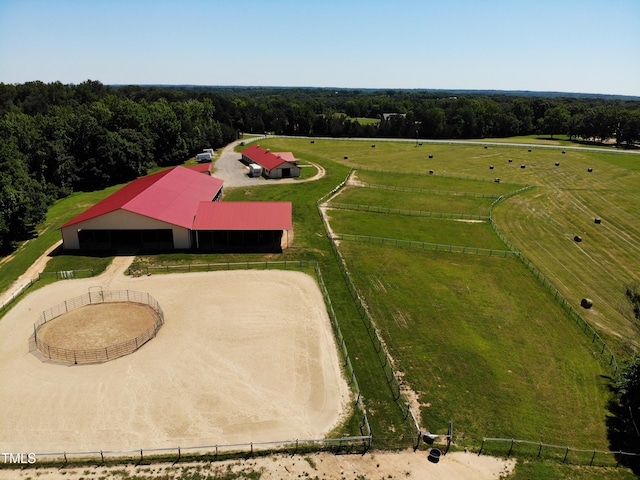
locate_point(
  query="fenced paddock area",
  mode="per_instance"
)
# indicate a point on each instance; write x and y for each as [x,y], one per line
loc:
[243,356]
[121,326]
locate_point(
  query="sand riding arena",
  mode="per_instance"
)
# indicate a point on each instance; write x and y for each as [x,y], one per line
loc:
[243,356]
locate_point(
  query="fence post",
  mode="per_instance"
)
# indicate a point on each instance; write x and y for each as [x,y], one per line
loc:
[565,455]
[592,457]
[540,450]
[481,446]
[511,448]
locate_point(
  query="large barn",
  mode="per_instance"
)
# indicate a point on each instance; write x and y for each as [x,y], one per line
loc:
[177,209]
[274,164]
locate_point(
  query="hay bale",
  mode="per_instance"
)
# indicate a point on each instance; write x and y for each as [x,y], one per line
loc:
[586,303]
[486,146]
[589,170]
[577,238]
[373,145]
[523,166]
[557,164]
[563,152]
[430,156]
[430,172]
[346,157]
[511,160]
[529,150]
[313,141]
[497,180]
[490,167]
[597,220]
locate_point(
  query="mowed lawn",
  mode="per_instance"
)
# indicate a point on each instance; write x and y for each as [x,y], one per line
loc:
[475,234]
[460,203]
[483,345]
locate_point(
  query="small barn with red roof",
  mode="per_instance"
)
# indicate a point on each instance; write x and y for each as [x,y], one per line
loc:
[274,164]
[173,209]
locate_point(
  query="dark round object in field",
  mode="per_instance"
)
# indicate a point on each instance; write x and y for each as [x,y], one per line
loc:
[577,238]
[313,141]
[430,156]
[523,166]
[420,144]
[510,160]
[497,180]
[563,152]
[430,172]
[529,149]
[589,169]
[373,145]
[586,303]
[428,438]
[597,220]
[486,146]
[434,455]
[490,167]
[346,158]
[557,164]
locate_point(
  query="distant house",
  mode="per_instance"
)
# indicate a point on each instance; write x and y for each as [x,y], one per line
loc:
[274,164]
[389,116]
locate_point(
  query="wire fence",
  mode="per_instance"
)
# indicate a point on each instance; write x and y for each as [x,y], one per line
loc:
[392,378]
[426,191]
[411,213]
[432,173]
[596,340]
[423,245]
[59,275]
[97,355]
[207,452]
[576,456]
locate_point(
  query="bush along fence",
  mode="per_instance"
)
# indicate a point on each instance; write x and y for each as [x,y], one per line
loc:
[97,355]
[529,449]
[410,213]
[385,361]
[423,245]
[605,352]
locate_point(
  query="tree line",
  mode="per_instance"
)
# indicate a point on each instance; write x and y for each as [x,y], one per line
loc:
[56,139]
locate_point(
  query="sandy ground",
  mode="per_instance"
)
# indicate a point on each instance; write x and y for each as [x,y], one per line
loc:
[244,356]
[374,465]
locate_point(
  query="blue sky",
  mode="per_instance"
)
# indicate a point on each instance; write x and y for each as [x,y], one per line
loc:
[587,46]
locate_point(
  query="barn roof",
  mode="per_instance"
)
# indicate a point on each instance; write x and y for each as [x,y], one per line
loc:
[243,216]
[267,158]
[170,196]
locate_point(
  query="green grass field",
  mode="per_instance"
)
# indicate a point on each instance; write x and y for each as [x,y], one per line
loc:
[477,338]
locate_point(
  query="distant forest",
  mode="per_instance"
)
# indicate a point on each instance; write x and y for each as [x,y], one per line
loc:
[56,139]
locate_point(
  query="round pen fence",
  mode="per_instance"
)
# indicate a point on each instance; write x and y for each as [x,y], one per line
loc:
[104,354]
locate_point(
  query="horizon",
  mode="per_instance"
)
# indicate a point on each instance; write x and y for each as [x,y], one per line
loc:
[498,45]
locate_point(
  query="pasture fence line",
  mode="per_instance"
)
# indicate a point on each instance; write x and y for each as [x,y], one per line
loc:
[61,274]
[207,452]
[565,454]
[606,354]
[433,174]
[391,376]
[411,213]
[97,355]
[436,247]
[365,428]
[427,191]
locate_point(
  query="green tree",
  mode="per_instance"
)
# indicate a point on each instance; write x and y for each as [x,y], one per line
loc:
[556,120]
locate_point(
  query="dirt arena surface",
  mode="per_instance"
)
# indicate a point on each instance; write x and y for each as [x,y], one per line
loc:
[97,326]
[243,356]
[373,465]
